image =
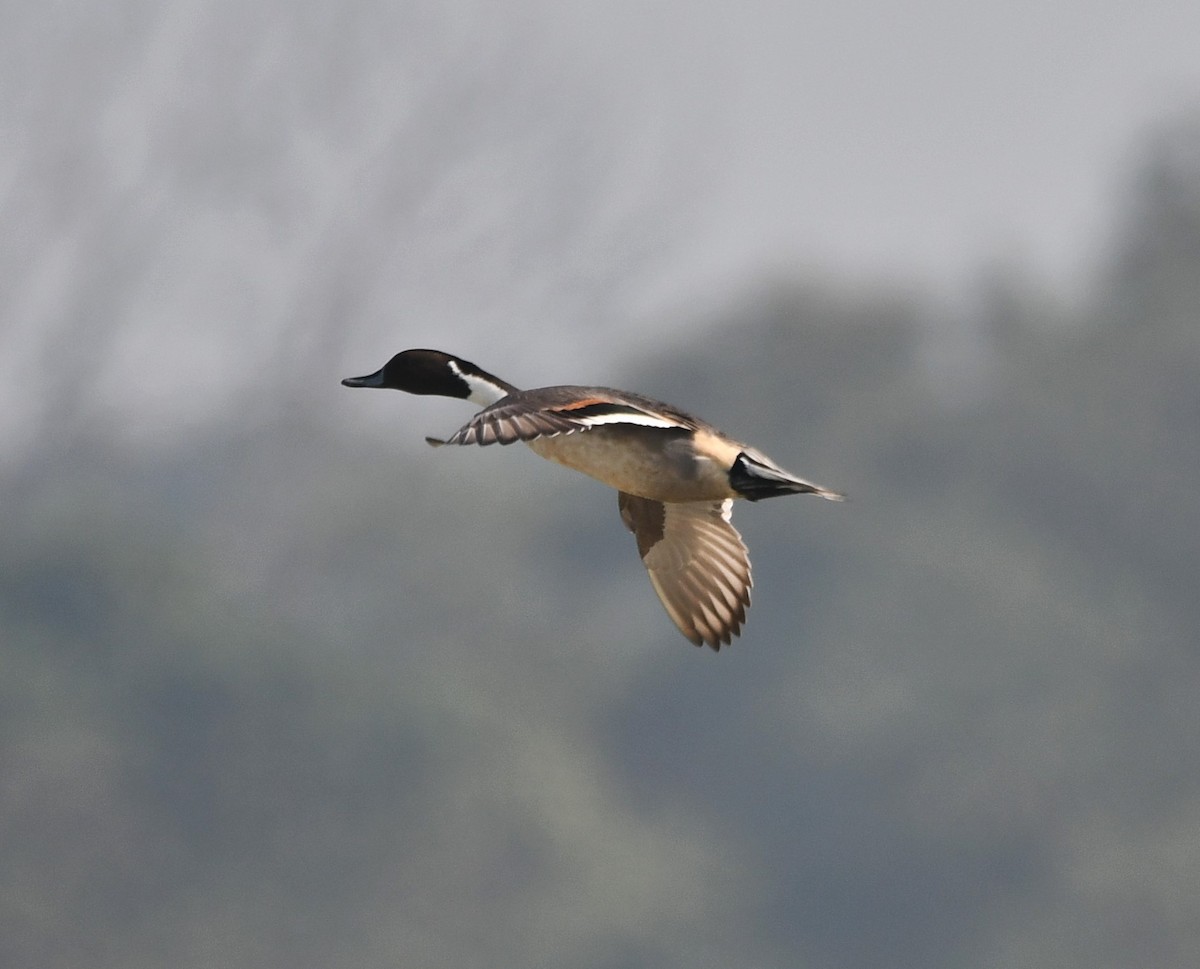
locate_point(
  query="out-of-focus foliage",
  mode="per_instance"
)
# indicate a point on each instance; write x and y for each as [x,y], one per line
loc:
[286,696]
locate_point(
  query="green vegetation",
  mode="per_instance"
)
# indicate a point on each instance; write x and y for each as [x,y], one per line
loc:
[288,697]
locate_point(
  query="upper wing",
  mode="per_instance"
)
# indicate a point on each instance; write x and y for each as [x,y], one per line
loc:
[549,411]
[697,563]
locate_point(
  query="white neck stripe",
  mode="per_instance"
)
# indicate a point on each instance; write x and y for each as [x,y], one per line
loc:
[482,392]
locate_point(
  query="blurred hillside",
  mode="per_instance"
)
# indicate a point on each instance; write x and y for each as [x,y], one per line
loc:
[295,694]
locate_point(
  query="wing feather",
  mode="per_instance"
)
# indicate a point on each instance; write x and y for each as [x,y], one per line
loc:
[697,564]
[526,415]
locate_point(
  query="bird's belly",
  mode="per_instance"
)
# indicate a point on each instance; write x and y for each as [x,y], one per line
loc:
[647,462]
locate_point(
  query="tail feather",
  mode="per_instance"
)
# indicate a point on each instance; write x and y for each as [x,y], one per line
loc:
[755,480]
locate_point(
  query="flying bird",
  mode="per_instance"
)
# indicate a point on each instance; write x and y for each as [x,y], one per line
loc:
[675,475]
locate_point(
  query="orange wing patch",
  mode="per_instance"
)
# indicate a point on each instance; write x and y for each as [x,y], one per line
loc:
[586,402]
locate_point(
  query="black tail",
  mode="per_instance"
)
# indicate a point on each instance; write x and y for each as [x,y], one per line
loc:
[754,481]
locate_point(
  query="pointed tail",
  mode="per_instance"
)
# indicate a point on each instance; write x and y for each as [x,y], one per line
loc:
[755,480]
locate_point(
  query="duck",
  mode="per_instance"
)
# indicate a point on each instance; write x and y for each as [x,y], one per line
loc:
[676,476]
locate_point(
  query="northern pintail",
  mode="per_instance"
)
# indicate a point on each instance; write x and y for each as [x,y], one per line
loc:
[676,476]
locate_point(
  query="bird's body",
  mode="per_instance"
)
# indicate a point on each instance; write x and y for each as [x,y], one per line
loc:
[676,475]
[659,460]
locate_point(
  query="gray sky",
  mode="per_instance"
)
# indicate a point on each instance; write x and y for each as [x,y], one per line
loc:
[212,182]
[927,136]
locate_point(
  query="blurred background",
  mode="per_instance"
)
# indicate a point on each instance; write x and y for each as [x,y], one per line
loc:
[283,687]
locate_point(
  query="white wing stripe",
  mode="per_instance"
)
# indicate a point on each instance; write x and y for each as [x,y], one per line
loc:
[643,420]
